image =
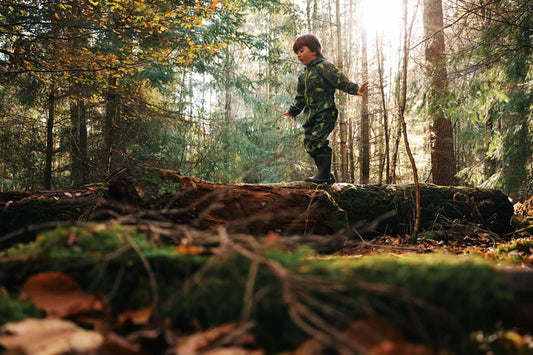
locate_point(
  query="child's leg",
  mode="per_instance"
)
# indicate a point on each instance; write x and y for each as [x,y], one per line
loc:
[317,131]
[317,145]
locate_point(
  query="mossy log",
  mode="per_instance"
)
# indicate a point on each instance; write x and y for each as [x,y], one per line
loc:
[22,214]
[391,208]
[253,209]
[305,208]
[426,296]
[289,209]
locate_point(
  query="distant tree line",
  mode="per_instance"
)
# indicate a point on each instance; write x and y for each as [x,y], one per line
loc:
[88,86]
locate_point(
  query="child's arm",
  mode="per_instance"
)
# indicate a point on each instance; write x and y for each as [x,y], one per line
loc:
[299,101]
[338,80]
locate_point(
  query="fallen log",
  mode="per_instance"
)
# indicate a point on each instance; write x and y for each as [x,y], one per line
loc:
[126,268]
[391,208]
[253,209]
[446,296]
[288,209]
[309,208]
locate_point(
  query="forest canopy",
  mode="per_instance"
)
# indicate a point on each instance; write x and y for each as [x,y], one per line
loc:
[89,86]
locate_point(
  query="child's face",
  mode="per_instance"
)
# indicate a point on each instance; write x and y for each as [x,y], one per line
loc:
[305,55]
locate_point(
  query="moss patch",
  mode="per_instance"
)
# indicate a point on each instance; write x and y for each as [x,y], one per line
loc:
[12,310]
[207,290]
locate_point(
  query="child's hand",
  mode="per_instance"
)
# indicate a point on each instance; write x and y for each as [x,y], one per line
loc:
[289,115]
[362,89]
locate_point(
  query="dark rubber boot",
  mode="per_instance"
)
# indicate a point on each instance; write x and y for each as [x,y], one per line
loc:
[324,175]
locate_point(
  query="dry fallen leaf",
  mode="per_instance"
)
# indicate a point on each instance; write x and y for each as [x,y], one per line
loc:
[137,317]
[48,337]
[378,337]
[310,347]
[272,239]
[200,342]
[189,249]
[401,348]
[369,332]
[59,295]
[192,344]
[233,351]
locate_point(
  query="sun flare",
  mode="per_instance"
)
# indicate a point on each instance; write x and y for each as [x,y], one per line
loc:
[383,17]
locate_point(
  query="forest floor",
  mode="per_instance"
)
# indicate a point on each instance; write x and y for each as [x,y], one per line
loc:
[514,251]
[67,316]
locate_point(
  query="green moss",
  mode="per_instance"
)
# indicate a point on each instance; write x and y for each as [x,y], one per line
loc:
[12,310]
[93,241]
[466,287]
[209,290]
[392,207]
[169,187]
[163,182]
[515,251]
[520,245]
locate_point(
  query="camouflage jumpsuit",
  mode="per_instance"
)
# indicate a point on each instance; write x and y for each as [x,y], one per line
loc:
[316,98]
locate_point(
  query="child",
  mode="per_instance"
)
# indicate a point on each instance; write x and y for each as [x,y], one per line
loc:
[316,98]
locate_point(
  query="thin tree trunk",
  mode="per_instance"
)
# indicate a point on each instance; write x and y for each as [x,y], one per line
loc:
[335,154]
[441,132]
[78,145]
[365,119]
[351,151]
[395,154]
[489,164]
[342,99]
[49,155]
[386,159]
[401,111]
[109,123]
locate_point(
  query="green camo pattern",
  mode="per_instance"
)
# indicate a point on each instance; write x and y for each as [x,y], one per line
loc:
[316,98]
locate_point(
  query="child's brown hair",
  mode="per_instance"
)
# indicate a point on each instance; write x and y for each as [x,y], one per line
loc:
[309,40]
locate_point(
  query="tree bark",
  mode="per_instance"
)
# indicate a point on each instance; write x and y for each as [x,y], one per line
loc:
[351,149]
[386,158]
[401,111]
[396,154]
[365,118]
[78,150]
[293,209]
[111,112]
[343,130]
[49,155]
[441,132]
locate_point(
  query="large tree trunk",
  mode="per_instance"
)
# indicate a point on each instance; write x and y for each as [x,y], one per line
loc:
[441,133]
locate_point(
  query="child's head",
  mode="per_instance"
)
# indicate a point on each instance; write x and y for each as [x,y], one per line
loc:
[308,40]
